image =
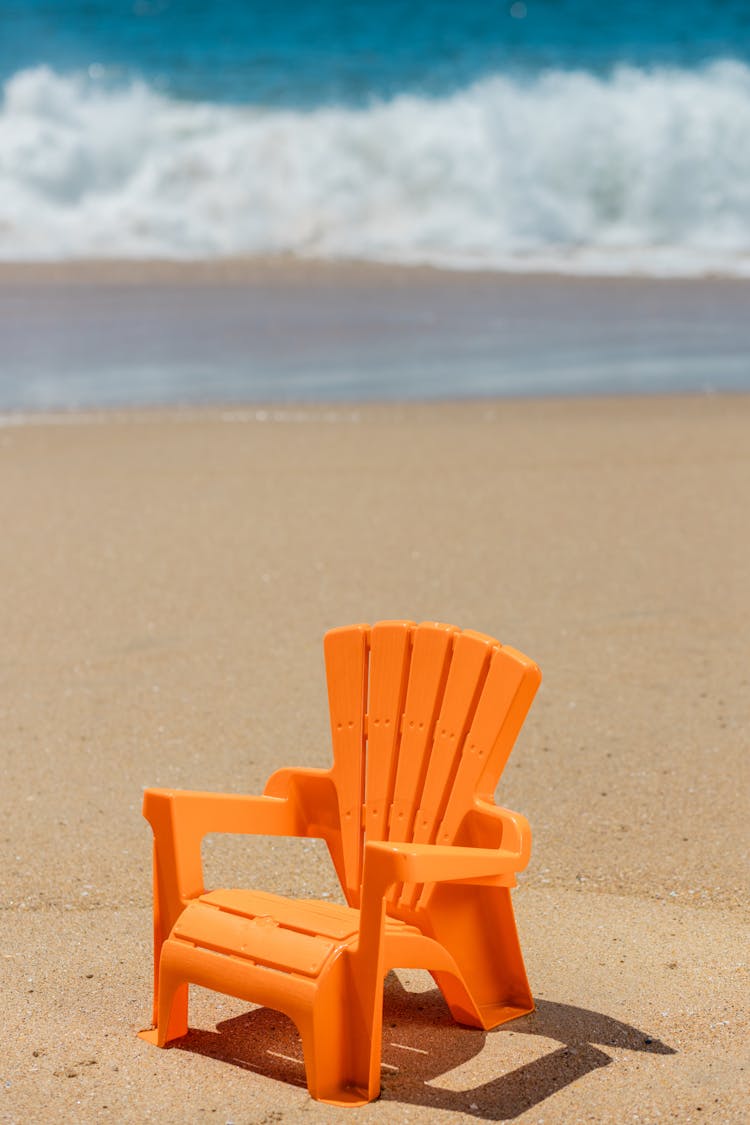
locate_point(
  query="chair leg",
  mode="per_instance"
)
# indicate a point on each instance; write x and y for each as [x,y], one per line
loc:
[342,1056]
[172,1004]
[329,1077]
[176,1019]
[172,1017]
[482,938]
[458,998]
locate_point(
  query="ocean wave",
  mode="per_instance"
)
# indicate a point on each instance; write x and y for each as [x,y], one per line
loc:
[641,171]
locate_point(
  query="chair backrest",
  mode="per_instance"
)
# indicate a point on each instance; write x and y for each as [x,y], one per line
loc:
[423,718]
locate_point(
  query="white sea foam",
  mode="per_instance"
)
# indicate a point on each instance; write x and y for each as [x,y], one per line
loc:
[641,171]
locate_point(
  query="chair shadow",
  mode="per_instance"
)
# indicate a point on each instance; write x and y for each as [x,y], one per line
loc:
[411,1074]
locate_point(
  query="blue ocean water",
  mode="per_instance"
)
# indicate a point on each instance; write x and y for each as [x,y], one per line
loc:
[312,52]
[564,135]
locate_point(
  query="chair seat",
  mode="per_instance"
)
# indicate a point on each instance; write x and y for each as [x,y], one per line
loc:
[296,936]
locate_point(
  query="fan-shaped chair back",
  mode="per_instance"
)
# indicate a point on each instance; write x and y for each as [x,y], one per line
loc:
[423,718]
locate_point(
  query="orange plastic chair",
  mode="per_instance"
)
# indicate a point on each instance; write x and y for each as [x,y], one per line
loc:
[423,718]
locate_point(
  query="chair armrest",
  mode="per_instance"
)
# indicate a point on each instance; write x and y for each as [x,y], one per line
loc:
[195,814]
[312,791]
[433,863]
[505,829]
[181,818]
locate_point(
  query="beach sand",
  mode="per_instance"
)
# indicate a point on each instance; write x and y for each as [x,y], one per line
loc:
[166,579]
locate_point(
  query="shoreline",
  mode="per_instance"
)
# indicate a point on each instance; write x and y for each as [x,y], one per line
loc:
[355,411]
[291,269]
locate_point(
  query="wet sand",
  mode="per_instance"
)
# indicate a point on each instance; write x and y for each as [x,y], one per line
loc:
[166,578]
[122,333]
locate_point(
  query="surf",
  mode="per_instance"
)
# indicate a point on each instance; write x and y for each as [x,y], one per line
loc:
[641,170]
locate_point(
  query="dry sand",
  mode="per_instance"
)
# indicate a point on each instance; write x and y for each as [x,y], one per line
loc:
[166,579]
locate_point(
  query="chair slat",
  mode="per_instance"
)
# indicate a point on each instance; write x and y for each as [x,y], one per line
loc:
[346,670]
[485,748]
[430,659]
[327,919]
[468,670]
[260,940]
[390,650]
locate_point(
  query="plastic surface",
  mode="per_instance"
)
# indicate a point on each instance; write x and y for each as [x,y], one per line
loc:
[423,718]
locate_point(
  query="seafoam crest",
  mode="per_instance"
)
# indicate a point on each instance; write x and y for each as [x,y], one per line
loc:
[640,171]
